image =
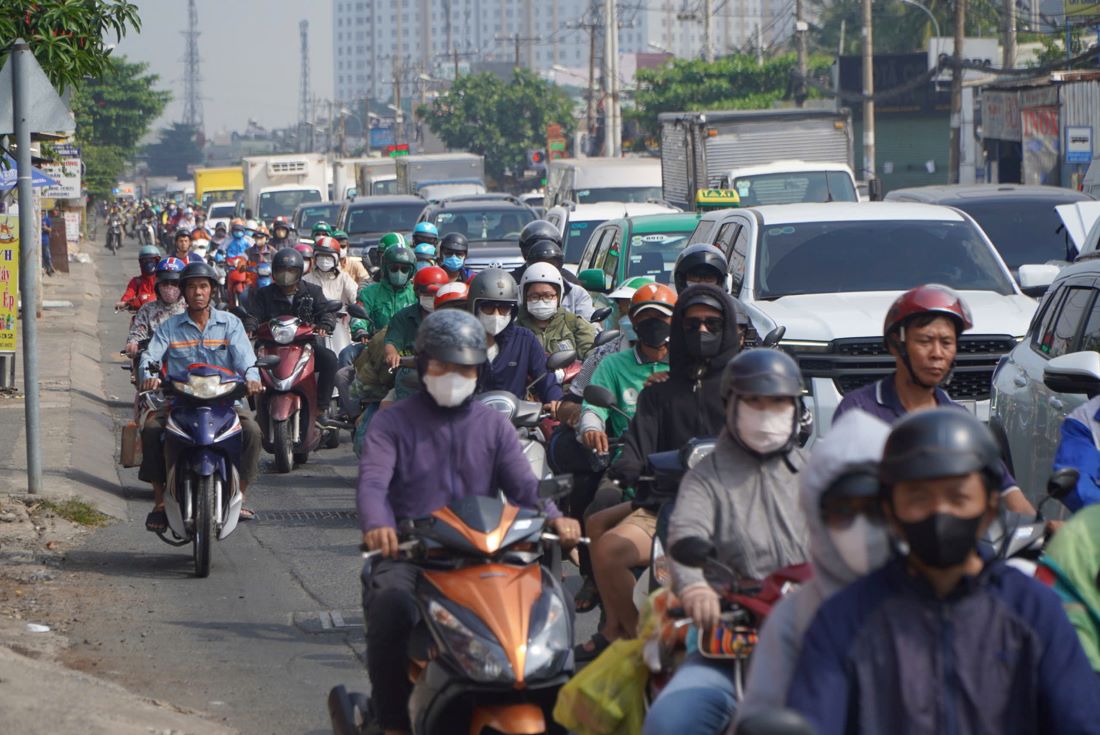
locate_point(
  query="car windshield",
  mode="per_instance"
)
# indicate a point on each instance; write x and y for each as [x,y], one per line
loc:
[276,203]
[384,187]
[838,257]
[1023,231]
[654,254]
[309,216]
[576,237]
[221,211]
[795,188]
[484,224]
[383,218]
[619,194]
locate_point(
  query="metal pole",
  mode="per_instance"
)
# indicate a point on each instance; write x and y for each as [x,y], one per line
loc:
[954,153]
[28,258]
[868,89]
[708,50]
[800,28]
[608,70]
[1009,58]
[617,129]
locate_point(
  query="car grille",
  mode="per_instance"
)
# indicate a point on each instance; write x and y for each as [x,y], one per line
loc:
[478,264]
[854,363]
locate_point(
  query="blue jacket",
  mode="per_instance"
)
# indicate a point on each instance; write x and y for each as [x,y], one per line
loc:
[998,655]
[1078,448]
[521,359]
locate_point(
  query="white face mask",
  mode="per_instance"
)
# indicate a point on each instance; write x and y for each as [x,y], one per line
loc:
[427,303]
[450,389]
[763,431]
[863,546]
[325,263]
[494,323]
[542,310]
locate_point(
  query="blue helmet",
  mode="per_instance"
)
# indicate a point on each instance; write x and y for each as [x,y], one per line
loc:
[425,251]
[425,232]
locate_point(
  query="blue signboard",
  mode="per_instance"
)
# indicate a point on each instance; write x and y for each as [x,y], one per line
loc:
[1078,144]
[382,137]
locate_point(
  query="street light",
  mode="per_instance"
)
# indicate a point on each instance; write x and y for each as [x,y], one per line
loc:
[661,48]
[935,23]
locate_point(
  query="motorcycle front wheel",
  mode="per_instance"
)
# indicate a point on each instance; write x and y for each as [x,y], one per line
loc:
[283,446]
[203,536]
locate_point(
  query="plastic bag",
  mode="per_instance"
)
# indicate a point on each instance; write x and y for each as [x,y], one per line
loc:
[608,696]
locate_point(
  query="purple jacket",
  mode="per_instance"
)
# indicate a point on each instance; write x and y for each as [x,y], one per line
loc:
[417,457]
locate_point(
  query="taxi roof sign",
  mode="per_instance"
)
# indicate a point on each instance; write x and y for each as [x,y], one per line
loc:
[717,198]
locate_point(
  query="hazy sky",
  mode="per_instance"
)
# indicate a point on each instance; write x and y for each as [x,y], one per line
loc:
[249,56]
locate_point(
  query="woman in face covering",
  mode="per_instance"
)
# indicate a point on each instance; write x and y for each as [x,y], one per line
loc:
[839,496]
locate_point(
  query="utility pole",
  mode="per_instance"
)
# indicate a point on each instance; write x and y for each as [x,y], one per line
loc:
[590,25]
[1009,59]
[759,46]
[517,39]
[954,153]
[613,126]
[868,91]
[800,28]
[708,12]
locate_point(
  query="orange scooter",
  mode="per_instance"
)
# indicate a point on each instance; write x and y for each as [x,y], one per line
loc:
[500,643]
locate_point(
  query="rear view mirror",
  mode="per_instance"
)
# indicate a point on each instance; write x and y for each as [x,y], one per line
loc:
[555,487]
[1077,372]
[605,337]
[599,396]
[1062,482]
[772,338]
[693,551]
[1036,279]
[594,279]
[357,311]
[600,314]
[874,189]
[558,360]
[239,313]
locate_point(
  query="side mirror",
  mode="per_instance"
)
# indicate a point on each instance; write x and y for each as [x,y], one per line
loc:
[599,396]
[267,361]
[555,487]
[607,336]
[1077,372]
[874,189]
[558,360]
[1035,279]
[594,279]
[357,311]
[600,315]
[1062,482]
[693,551]
[772,338]
[778,721]
[239,313]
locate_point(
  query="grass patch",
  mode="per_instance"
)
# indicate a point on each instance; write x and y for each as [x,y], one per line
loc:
[74,511]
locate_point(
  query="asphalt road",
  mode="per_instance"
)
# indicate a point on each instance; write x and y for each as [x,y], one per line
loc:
[258,643]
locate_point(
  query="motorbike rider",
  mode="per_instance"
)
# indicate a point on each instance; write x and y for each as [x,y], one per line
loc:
[453,295]
[238,244]
[307,256]
[200,242]
[320,229]
[182,242]
[387,241]
[401,331]
[453,249]
[515,356]
[220,238]
[700,263]
[847,538]
[575,298]
[541,312]
[921,332]
[201,334]
[1078,448]
[941,639]
[262,251]
[532,232]
[186,220]
[168,303]
[425,232]
[425,255]
[400,478]
[280,233]
[394,292]
[142,289]
[352,266]
[326,273]
[291,294]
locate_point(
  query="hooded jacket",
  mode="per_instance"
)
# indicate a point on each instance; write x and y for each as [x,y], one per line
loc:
[337,285]
[857,438]
[381,301]
[1072,563]
[689,403]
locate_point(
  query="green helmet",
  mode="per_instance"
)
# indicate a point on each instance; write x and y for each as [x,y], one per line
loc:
[389,240]
[399,255]
[149,251]
[321,228]
[340,234]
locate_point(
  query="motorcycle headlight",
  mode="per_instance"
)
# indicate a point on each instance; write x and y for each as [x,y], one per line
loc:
[481,659]
[550,642]
[283,332]
[204,386]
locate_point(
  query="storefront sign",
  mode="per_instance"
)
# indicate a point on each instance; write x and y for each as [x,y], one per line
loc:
[67,175]
[1000,114]
[1078,144]
[1041,143]
[72,227]
[9,280]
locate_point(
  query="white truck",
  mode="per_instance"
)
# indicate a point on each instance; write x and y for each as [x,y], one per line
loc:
[593,180]
[703,150]
[374,176]
[440,175]
[276,185]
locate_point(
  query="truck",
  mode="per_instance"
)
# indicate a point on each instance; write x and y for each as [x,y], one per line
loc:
[375,176]
[343,178]
[703,150]
[275,185]
[594,180]
[218,185]
[438,175]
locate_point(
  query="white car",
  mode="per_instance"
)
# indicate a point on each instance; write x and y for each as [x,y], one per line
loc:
[829,272]
[577,222]
[222,213]
[792,182]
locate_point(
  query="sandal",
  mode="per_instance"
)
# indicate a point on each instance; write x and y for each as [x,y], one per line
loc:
[587,597]
[591,648]
[247,514]
[156,521]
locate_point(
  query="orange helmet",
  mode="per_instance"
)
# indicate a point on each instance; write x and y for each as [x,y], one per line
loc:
[452,294]
[653,296]
[236,222]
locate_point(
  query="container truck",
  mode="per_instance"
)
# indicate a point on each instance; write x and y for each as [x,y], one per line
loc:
[218,185]
[438,175]
[375,176]
[594,180]
[276,185]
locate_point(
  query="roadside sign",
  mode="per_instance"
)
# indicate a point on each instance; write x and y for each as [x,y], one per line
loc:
[9,280]
[1078,144]
[67,175]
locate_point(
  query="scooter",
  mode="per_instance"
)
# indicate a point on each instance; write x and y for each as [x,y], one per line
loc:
[499,638]
[114,234]
[147,233]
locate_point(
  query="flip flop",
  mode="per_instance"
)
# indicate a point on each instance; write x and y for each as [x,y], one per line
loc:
[591,648]
[247,514]
[156,521]
[587,597]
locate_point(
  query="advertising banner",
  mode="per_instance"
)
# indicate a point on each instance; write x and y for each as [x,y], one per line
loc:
[9,280]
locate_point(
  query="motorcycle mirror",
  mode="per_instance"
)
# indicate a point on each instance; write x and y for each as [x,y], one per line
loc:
[599,396]
[772,338]
[555,487]
[333,307]
[358,311]
[558,360]
[693,551]
[239,313]
[267,361]
[600,314]
[607,336]
[777,721]
[1062,482]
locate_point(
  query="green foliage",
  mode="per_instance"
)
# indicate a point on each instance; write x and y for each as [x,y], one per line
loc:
[898,28]
[69,38]
[73,510]
[500,120]
[174,152]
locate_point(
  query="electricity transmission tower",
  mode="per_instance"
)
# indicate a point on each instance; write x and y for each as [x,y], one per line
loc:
[192,99]
[305,126]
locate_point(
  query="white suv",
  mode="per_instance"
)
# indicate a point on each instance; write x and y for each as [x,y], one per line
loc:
[829,272]
[577,222]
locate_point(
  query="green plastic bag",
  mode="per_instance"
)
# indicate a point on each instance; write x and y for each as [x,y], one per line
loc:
[608,696]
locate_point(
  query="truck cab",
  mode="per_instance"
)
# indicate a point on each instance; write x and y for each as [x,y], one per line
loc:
[792,182]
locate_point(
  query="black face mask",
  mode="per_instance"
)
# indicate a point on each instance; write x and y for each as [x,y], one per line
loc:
[653,332]
[702,344]
[942,540]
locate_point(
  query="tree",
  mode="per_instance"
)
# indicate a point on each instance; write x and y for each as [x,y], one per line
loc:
[69,38]
[500,120]
[898,28]
[174,152]
[113,113]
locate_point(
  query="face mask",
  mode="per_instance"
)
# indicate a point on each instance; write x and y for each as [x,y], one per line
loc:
[702,344]
[763,431]
[626,328]
[238,234]
[542,310]
[494,323]
[453,262]
[325,263]
[653,332]
[942,540]
[398,279]
[862,546]
[450,389]
[148,267]
[285,278]
[427,302]
[264,281]
[169,294]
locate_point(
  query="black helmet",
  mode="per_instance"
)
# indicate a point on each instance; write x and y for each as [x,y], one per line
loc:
[545,251]
[941,442]
[451,335]
[454,241]
[698,256]
[492,284]
[198,270]
[538,229]
[287,260]
[761,372]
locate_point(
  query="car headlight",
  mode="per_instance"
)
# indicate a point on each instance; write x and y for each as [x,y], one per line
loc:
[549,643]
[204,386]
[481,659]
[283,332]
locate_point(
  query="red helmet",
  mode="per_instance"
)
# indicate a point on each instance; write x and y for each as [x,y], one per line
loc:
[931,298]
[305,250]
[280,221]
[454,293]
[430,279]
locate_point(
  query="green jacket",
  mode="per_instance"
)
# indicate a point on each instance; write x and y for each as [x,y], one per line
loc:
[381,302]
[624,374]
[1073,555]
[564,331]
[401,331]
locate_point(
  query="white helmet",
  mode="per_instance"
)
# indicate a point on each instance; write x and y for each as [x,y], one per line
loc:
[541,273]
[252,225]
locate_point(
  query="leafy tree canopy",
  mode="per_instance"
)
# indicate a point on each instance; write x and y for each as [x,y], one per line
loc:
[176,149]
